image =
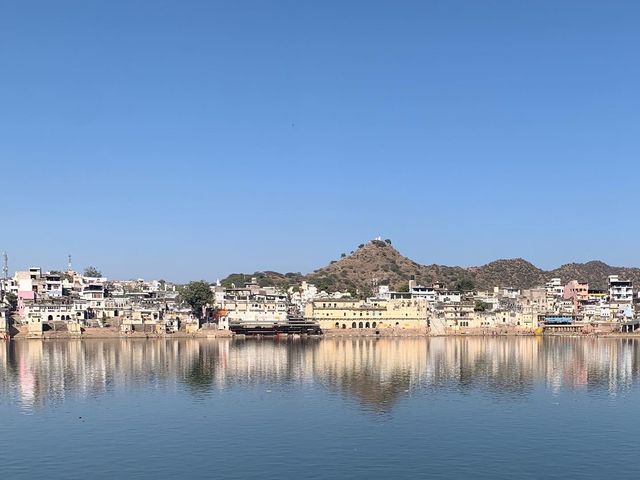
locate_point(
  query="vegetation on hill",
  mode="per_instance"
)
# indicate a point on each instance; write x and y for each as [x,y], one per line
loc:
[264,279]
[379,263]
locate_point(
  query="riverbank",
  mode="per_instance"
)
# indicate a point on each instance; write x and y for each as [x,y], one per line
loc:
[21,333]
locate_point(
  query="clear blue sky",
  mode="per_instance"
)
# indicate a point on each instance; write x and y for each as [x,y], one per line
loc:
[190,139]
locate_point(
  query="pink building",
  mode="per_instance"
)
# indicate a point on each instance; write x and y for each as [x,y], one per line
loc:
[576,291]
[22,296]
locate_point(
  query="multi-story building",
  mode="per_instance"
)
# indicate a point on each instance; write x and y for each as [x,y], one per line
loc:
[50,311]
[507,292]
[620,291]
[53,285]
[455,314]
[250,303]
[554,287]
[371,313]
[620,298]
[576,291]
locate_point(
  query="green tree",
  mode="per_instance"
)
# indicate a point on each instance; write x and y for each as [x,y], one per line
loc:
[196,294]
[481,306]
[92,272]
[342,255]
[464,285]
[404,288]
[11,299]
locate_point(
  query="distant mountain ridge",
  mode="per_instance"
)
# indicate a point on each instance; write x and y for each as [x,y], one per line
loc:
[379,263]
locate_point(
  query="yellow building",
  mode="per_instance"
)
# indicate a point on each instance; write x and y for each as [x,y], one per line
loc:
[456,314]
[373,313]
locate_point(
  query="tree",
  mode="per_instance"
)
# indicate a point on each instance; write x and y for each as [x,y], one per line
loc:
[464,285]
[388,240]
[342,255]
[404,288]
[196,294]
[481,306]
[11,299]
[92,272]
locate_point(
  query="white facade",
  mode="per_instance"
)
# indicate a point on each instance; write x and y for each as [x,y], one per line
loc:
[620,290]
[449,297]
[554,287]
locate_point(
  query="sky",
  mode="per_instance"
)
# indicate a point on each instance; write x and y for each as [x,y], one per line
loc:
[191,139]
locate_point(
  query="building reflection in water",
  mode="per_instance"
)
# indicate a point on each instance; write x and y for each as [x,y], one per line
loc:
[374,372]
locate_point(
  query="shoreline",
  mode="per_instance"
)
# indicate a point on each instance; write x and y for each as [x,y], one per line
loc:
[106,333]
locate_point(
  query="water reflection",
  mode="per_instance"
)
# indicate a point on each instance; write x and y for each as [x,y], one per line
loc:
[374,372]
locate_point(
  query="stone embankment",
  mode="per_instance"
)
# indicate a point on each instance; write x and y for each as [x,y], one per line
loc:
[22,332]
[424,332]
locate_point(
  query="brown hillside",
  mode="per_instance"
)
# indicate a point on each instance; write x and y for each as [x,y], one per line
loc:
[379,263]
[513,272]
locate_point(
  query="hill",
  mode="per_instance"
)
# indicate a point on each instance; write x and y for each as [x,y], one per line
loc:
[379,263]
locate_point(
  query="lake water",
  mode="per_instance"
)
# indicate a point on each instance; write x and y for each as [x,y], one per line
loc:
[321,408]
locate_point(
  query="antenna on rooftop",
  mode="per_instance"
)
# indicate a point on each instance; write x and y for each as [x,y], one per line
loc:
[69,263]
[5,265]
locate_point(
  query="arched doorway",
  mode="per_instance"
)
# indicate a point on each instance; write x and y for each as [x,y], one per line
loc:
[50,318]
[373,324]
[360,325]
[367,325]
[337,325]
[353,325]
[344,326]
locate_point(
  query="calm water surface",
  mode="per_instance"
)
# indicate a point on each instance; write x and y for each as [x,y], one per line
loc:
[321,408]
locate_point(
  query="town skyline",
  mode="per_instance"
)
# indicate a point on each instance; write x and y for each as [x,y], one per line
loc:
[11,267]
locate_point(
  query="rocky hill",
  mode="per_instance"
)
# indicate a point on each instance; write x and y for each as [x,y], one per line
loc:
[379,263]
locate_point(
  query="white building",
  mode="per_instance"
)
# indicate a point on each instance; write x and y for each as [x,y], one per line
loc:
[620,291]
[554,287]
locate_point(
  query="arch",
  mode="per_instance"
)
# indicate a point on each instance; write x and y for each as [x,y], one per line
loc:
[337,325]
[353,325]
[373,325]
[360,325]
[67,317]
[344,326]
[397,324]
[50,318]
[367,325]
